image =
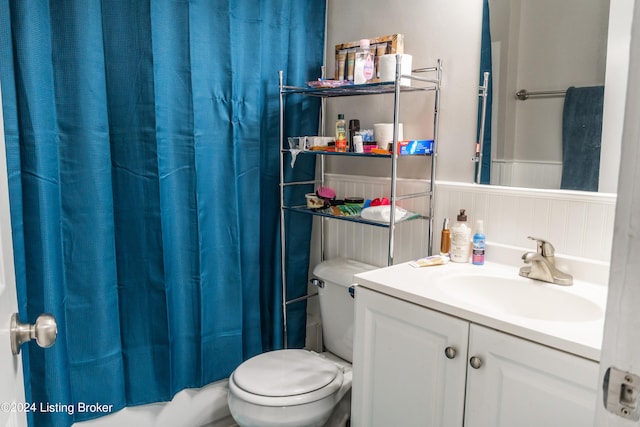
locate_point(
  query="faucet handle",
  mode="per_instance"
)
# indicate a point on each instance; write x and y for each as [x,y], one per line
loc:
[544,247]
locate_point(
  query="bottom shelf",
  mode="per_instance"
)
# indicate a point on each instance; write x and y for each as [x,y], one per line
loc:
[352,218]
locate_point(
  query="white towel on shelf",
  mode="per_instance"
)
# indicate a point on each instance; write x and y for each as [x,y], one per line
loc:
[383,213]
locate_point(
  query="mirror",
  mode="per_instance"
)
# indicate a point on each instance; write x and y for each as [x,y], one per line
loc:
[544,47]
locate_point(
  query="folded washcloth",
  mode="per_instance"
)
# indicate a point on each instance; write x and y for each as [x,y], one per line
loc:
[383,214]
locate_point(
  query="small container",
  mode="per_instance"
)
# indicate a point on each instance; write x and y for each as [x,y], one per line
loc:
[313,201]
[358,145]
[445,238]
[479,241]
[354,127]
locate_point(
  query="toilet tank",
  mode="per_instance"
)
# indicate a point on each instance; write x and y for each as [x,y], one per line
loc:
[336,303]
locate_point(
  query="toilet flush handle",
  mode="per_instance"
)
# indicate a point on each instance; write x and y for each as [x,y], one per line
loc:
[317,282]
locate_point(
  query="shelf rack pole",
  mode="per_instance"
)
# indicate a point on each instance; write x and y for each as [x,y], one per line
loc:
[394,160]
[434,156]
[321,132]
[283,250]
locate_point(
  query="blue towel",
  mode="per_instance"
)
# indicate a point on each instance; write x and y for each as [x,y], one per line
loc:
[581,137]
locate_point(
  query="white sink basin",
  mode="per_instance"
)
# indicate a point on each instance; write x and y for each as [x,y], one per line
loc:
[520,297]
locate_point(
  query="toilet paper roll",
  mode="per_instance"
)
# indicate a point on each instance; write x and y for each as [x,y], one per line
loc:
[383,133]
[387,64]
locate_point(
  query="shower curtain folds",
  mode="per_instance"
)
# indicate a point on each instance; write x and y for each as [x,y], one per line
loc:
[142,145]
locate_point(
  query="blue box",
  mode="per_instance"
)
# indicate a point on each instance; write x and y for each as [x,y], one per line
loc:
[416,146]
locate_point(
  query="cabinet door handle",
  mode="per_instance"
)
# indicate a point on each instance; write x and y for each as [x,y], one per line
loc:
[450,352]
[475,362]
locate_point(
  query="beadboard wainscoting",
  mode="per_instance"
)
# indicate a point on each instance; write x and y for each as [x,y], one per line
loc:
[579,224]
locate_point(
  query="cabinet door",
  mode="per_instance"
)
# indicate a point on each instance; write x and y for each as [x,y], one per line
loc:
[401,375]
[524,384]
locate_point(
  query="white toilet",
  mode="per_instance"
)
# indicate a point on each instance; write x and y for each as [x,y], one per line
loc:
[300,388]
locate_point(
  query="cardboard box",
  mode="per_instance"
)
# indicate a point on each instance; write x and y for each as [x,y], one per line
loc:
[390,44]
[416,146]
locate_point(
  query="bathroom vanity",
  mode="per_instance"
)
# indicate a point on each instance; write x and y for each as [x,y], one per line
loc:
[463,345]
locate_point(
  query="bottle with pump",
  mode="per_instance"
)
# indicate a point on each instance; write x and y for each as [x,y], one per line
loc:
[477,256]
[445,238]
[460,239]
[341,134]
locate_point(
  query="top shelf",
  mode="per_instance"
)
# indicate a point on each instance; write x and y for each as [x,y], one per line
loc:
[424,84]
[418,84]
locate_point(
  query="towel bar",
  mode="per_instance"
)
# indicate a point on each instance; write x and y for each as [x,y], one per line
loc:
[523,94]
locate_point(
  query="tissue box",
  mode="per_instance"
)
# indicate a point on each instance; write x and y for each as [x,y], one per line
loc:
[416,146]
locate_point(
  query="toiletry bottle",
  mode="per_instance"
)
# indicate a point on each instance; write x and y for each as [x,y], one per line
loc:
[477,257]
[445,238]
[354,127]
[363,71]
[460,239]
[351,59]
[341,134]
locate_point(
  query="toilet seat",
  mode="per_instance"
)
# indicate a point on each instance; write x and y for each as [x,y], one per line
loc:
[285,378]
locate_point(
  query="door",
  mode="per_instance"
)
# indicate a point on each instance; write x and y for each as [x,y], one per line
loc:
[515,382]
[621,346]
[11,386]
[409,364]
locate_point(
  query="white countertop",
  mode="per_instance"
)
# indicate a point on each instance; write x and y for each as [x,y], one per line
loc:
[420,286]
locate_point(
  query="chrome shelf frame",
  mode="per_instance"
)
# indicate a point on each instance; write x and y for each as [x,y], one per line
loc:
[418,84]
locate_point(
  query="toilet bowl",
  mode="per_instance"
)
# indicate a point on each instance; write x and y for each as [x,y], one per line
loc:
[287,388]
[301,388]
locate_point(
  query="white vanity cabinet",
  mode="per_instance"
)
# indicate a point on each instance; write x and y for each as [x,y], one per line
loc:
[521,383]
[403,376]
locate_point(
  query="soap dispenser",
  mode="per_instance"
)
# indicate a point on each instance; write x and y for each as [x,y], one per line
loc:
[460,239]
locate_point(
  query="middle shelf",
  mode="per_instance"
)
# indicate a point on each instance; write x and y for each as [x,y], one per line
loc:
[352,218]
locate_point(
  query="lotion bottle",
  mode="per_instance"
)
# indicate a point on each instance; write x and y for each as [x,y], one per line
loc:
[460,239]
[477,257]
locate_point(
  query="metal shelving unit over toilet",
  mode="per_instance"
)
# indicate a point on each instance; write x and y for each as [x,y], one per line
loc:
[419,83]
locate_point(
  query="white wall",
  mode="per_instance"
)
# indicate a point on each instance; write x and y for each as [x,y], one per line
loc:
[544,45]
[448,30]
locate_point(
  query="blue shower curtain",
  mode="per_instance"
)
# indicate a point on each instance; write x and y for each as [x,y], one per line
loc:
[142,141]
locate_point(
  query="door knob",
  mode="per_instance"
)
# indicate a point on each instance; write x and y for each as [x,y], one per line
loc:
[45,331]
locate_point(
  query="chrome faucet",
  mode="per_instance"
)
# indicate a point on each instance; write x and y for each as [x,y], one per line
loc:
[543,265]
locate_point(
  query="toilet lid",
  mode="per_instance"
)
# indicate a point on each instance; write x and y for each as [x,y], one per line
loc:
[284,373]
